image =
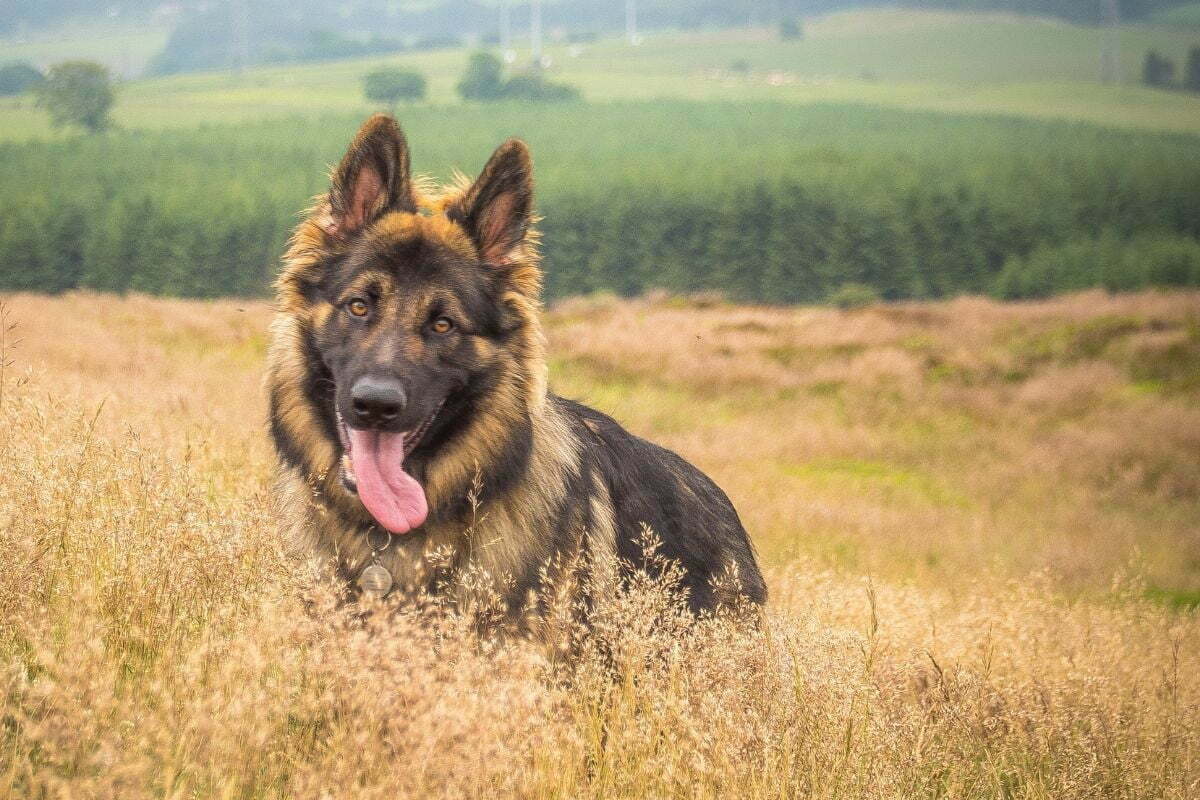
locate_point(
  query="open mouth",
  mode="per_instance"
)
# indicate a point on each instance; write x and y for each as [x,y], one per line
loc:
[373,468]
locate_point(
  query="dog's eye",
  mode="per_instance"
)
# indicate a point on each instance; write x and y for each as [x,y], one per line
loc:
[442,325]
[358,307]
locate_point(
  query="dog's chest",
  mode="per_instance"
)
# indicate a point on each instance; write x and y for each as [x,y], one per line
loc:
[489,551]
[413,563]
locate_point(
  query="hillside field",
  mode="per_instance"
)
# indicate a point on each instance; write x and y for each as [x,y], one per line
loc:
[978,520]
[964,63]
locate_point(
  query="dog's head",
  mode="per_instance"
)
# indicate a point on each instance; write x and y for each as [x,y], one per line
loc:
[417,309]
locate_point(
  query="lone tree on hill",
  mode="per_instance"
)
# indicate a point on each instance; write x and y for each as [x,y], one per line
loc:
[77,93]
[390,86]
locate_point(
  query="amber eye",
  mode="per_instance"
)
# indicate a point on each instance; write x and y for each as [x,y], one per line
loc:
[358,308]
[442,325]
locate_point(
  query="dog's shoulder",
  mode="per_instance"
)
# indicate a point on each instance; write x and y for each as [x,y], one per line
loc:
[650,485]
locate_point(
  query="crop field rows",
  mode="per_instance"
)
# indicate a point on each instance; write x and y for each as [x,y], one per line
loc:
[763,202]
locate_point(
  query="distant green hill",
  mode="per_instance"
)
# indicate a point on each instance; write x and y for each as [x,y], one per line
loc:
[1185,16]
[959,62]
[124,47]
[273,30]
[479,17]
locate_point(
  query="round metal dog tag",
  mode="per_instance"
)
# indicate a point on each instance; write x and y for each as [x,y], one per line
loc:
[375,580]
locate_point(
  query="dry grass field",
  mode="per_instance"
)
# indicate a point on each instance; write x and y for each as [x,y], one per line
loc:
[980,523]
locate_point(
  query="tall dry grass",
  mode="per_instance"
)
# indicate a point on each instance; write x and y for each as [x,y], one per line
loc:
[971,515]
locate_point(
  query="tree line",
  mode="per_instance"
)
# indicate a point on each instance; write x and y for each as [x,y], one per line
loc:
[762,202]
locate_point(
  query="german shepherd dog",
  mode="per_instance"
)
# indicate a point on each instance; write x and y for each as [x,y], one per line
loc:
[409,405]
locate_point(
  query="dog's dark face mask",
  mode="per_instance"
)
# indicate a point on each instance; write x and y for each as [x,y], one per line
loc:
[412,325]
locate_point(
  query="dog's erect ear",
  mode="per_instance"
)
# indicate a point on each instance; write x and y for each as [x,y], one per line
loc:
[496,210]
[373,177]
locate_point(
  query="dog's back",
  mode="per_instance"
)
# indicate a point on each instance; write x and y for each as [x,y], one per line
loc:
[651,488]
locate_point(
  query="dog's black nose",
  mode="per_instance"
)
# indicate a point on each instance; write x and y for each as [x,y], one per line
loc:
[376,401]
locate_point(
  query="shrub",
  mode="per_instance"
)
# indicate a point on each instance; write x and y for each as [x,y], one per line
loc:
[390,86]
[790,29]
[77,93]
[1191,73]
[483,79]
[534,87]
[1158,70]
[18,77]
[853,295]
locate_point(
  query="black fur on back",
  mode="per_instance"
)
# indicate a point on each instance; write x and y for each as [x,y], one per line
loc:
[649,485]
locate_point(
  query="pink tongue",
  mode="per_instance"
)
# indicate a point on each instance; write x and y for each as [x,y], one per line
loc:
[392,496]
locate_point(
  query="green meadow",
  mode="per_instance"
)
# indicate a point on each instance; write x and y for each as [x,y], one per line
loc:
[963,63]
